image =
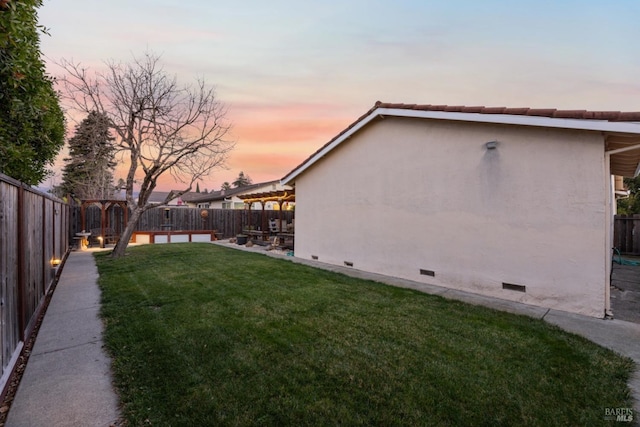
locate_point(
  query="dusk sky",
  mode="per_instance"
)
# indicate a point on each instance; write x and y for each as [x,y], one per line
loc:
[295,73]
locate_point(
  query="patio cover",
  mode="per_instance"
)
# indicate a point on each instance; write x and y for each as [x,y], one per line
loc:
[270,196]
[280,196]
[624,153]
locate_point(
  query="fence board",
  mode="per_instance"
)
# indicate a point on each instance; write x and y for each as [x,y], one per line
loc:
[626,234]
[33,230]
[228,222]
[8,271]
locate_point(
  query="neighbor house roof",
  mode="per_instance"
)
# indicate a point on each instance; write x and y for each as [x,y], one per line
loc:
[158,196]
[223,194]
[622,129]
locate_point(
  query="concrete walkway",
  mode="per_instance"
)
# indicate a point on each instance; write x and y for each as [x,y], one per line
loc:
[67,381]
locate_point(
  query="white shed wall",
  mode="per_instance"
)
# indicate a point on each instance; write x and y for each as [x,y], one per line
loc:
[410,194]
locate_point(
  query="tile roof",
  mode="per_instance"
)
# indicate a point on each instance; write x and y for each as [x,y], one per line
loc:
[608,116]
[612,116]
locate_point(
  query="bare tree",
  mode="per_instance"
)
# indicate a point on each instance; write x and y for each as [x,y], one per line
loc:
[160,127]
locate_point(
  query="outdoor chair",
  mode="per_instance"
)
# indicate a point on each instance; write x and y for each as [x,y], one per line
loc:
[274,226]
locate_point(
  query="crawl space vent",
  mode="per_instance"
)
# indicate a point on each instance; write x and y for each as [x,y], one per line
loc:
[514,287]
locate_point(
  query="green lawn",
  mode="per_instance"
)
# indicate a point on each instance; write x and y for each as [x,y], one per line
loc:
[204,335]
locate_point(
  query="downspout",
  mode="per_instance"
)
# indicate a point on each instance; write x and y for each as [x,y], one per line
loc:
[608,237]
[609,225]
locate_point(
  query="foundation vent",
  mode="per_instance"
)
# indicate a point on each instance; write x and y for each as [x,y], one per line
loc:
[427,272]
[514,287]
[348,263]
[314,256]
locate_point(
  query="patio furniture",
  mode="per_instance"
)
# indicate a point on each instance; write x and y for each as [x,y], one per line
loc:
[110,236]
[285,240]
[257,234]
[274,226]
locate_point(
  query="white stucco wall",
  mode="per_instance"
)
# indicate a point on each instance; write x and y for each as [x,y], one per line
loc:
[410,194]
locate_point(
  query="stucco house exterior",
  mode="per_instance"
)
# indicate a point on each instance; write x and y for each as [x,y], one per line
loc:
[513,203]
[230,199]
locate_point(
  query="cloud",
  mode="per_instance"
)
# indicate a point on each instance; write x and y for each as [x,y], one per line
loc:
[287,124]
[280,129]
[273,139]
[268,166]
[160,38]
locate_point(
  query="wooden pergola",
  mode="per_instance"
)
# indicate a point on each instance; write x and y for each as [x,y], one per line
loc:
[104,206]
[281,196]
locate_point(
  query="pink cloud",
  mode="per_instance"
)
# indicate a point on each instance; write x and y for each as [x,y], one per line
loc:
[283,129]
[266,167]
[287,123]
[271,139]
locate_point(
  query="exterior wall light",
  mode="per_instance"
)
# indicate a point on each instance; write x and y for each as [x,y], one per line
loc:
[491,145]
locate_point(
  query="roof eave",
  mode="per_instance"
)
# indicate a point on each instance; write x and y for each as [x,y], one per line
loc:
[538,121]
[288,179]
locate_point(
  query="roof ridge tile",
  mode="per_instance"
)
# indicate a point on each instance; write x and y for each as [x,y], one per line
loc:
[523,111]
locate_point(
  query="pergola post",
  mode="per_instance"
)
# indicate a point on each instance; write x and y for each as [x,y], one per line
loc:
[103,218]
[82,216]
[280,203]
[264,226]
[249,215]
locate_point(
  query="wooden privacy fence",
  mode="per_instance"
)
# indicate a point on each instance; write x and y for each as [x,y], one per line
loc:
[228,222]
[626,234]
[34,239]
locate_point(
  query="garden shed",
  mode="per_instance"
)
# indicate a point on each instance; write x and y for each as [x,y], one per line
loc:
[514,203]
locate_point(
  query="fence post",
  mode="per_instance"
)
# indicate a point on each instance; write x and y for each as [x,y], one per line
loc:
[43,244]
[21,263]
[635,235]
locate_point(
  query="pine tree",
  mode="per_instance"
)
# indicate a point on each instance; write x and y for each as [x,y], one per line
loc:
[242,180]
[88,173]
